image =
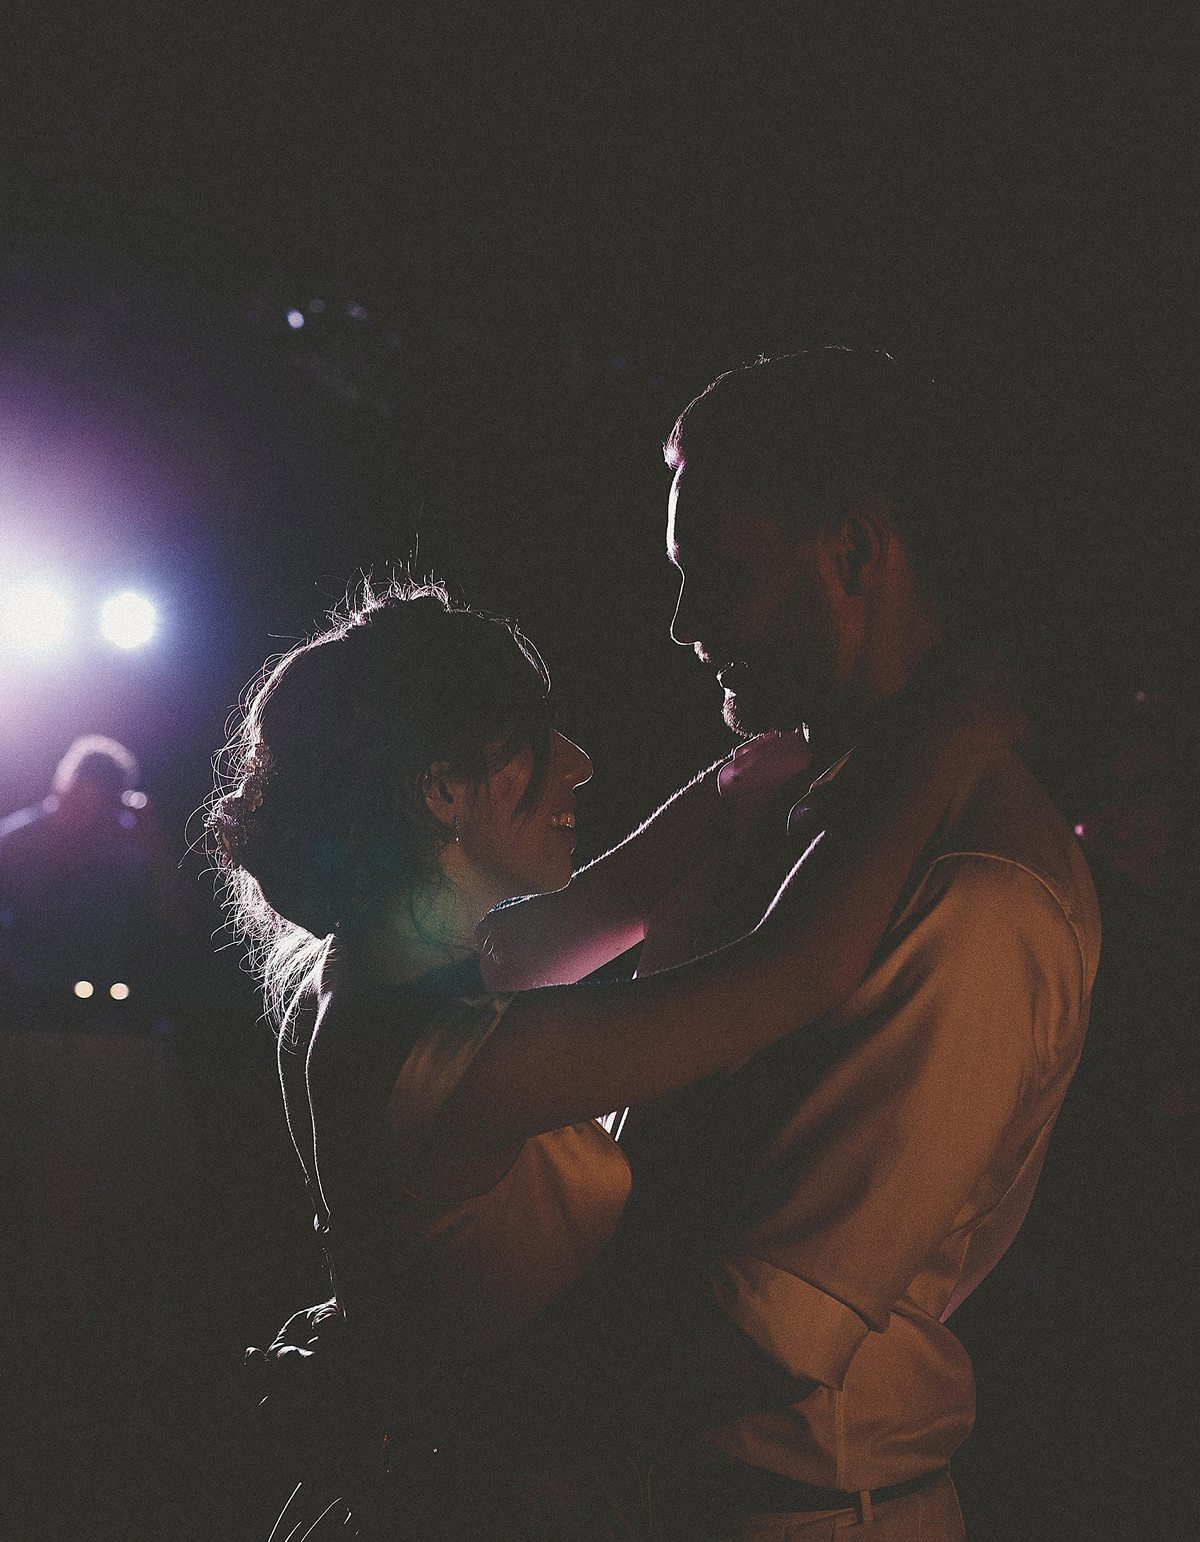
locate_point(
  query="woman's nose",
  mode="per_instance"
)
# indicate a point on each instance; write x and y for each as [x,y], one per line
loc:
[574,764]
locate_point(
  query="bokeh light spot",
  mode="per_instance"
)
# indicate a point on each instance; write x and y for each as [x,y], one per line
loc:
[119,992]
[84,988]
[35,617]
[128,620]
[295,320]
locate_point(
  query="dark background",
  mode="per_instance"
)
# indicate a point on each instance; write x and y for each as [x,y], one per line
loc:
[522,238]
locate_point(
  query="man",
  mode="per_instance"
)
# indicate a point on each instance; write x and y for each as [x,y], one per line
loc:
[856,1196]
[86,895]
[86,892]
[800,1228]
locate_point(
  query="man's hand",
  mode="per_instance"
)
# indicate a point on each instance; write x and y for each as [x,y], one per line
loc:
[306,1344]
[299,1388]
[318,1417]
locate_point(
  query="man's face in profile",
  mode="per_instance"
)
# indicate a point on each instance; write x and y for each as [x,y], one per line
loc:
[754,603]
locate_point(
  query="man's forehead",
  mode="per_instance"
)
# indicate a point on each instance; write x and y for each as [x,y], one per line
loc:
[707,514]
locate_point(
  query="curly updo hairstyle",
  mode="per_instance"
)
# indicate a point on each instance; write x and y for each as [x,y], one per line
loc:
[318,825]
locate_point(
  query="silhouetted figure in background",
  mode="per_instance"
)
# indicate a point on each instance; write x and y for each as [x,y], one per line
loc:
[92,1137]
[85,900]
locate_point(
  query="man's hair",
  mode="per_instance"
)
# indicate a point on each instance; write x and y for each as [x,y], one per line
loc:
[806,422]
[99,759]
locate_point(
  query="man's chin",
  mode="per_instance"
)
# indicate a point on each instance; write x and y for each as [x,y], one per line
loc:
[749,715]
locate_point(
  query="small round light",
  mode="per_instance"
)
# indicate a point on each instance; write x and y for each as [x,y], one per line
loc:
[133,799]
[128,620]
[35,617]
[84,988]
[119,992]
[295,320]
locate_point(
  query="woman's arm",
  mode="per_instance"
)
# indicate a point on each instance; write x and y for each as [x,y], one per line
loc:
[553,939]
[569,1053]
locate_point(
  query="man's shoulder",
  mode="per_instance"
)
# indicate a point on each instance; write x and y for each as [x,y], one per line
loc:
[1010,824]
[23,840]
[15,828]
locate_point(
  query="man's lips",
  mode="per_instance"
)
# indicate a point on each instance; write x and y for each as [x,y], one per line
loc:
[731,675]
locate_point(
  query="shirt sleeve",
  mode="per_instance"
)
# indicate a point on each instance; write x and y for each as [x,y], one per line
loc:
[957,1044]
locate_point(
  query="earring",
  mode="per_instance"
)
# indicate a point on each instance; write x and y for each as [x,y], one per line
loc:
[456,829]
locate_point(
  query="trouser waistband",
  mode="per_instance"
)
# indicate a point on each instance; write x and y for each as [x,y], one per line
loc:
[723,1493]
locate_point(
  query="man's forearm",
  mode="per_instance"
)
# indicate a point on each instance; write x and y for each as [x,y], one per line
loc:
[630,1363]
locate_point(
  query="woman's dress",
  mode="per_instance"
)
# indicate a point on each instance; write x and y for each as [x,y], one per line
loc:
[377,1078]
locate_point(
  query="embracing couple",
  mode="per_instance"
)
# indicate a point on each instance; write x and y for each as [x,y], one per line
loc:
[868,944]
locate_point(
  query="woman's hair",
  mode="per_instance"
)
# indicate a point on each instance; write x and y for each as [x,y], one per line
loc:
[318,824]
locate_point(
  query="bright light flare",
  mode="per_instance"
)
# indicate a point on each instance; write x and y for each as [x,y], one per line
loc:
[128,620]
[84,989]
[119,992]
[35,617]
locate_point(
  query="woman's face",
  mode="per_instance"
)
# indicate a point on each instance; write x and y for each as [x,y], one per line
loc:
[525,851]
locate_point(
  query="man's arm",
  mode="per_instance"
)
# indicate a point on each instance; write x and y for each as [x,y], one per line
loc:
[625,1358]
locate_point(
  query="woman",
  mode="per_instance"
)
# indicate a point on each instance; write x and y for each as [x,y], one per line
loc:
[390,783]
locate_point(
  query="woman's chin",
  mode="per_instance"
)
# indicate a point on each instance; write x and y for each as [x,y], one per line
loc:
[557,875]
[546,879]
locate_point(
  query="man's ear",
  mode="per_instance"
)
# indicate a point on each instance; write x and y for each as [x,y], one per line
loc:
[861,546]
[443,795]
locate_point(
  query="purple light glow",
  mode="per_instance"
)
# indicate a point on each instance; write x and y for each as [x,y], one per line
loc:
[35,617]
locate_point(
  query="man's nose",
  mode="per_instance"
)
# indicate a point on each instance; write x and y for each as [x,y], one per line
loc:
[683,623]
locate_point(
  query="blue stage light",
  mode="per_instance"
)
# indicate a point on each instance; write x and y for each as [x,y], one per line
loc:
[128,620]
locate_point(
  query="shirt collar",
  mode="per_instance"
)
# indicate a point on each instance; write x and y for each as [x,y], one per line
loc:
[799,811]
[828,776]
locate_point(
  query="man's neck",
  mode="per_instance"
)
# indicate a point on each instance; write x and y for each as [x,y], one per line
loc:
[846,724]
[899,632]
[834,733]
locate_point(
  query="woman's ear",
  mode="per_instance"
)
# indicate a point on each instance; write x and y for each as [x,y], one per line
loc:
[443,793]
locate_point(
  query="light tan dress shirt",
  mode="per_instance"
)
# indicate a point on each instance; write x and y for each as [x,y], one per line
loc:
[897,1177]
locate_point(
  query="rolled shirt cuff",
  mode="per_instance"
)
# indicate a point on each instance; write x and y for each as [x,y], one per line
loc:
[806,1332]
